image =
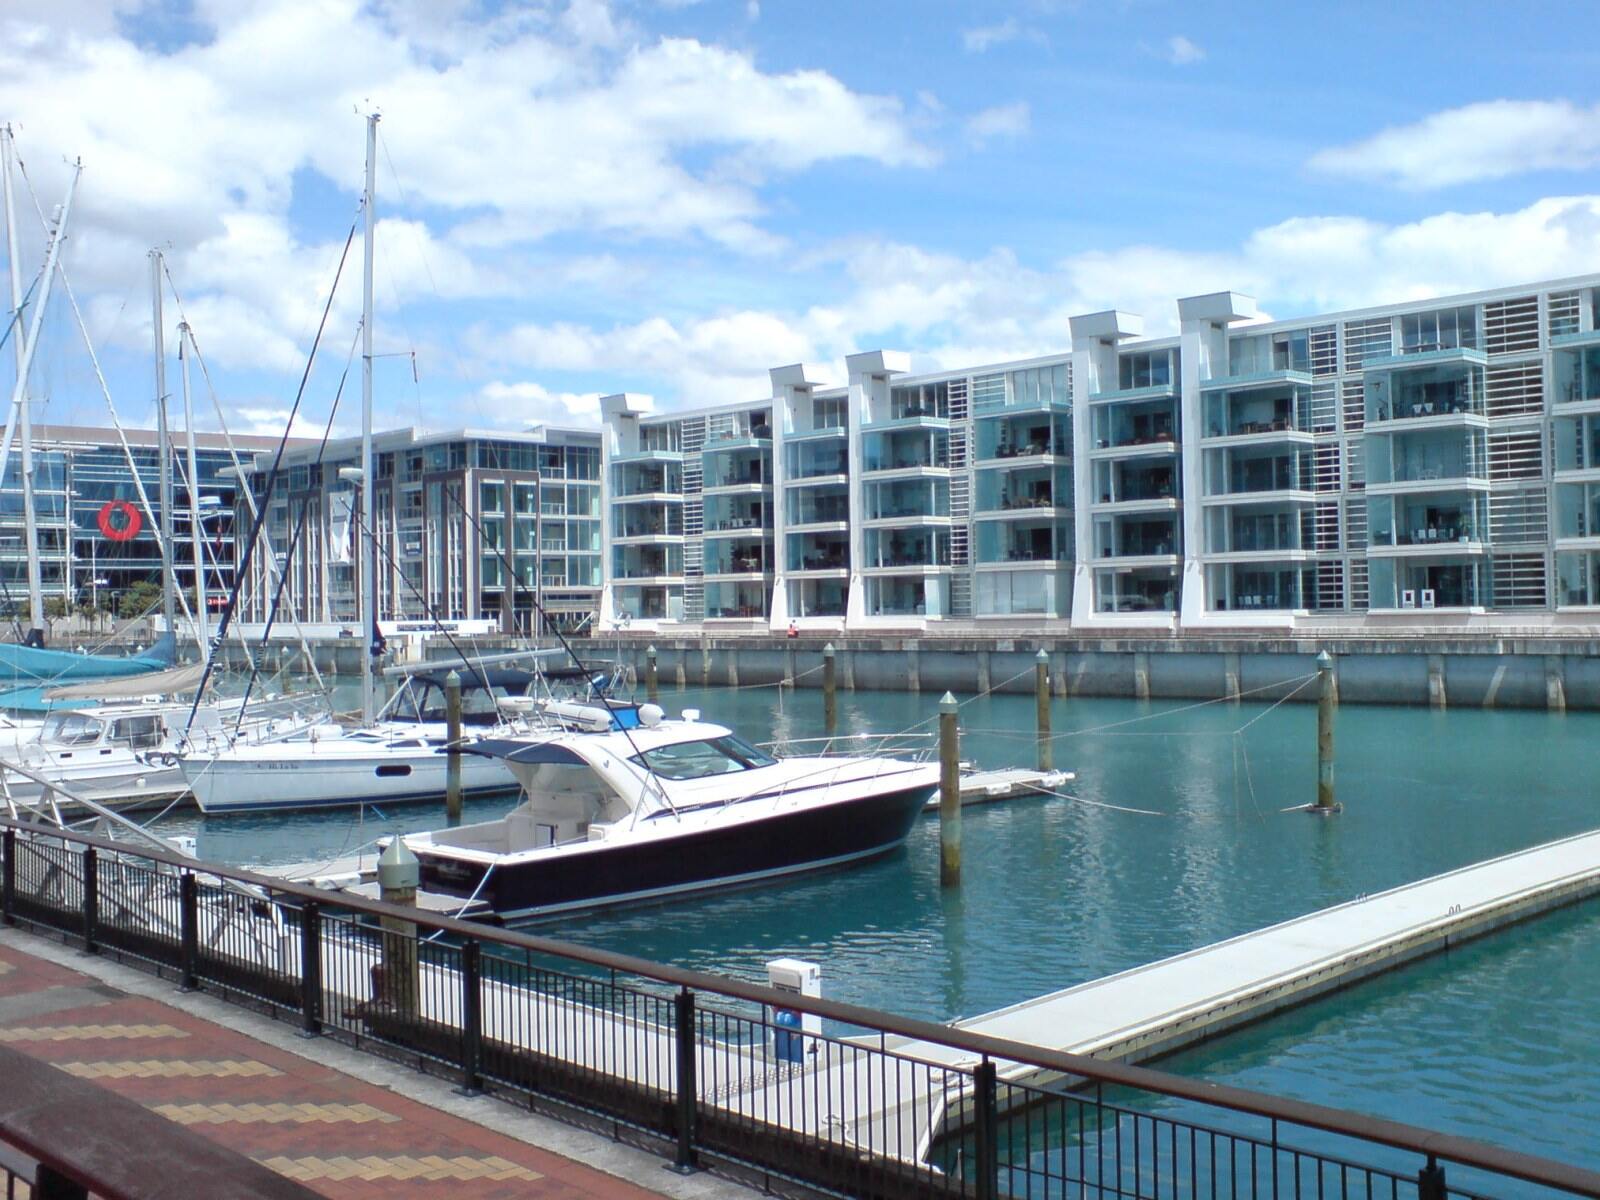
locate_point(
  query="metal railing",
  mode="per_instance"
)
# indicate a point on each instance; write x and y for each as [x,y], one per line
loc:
[772,1087]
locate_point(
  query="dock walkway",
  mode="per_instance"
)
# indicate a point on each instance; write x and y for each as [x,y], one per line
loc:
[1158,1008]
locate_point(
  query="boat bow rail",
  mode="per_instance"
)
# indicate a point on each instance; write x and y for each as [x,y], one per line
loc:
[718,1072]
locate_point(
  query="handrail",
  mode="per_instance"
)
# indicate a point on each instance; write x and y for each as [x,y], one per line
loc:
[1382,1131]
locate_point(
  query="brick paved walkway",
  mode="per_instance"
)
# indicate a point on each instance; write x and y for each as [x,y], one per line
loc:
[335,1133]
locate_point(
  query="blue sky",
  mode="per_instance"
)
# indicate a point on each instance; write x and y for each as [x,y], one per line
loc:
[582,196]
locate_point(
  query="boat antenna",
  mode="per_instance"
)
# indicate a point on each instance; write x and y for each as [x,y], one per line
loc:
[254,534]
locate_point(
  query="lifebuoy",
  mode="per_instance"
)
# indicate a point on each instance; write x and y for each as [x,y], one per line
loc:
[119,521]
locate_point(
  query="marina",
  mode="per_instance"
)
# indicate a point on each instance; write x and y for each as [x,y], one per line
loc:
[1146,763]
[886,933]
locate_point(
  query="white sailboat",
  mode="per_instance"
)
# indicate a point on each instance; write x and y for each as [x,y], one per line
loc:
[389,760]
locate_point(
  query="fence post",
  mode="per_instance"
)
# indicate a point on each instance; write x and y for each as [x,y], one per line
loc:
[471,1018]
[51,1184]
[1430,1181]
[8,880]
[310,968]
[985,1131]
[684,1163]
[189,909]
[91,899]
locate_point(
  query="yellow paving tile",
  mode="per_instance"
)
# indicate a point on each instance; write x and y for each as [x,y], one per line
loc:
[160,1068]
[399,1167]
[67,1033]
[272,1114]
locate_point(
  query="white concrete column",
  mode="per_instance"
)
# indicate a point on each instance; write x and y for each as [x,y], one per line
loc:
[869,375]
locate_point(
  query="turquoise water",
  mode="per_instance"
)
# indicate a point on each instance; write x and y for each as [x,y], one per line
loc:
[1493,1040]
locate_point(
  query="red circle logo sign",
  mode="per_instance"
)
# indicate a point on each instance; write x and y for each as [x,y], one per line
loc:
[119,521]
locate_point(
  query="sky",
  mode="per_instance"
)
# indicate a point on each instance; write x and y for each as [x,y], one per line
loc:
[578,197]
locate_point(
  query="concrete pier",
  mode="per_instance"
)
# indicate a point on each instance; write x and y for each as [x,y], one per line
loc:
[1156,1009]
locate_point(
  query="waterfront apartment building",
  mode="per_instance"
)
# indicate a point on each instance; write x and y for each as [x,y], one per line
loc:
[469,524]
[87,551]
[1432,462]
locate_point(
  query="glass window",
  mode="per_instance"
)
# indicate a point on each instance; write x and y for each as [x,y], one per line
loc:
[701,760]
[70,729]
[1147,369]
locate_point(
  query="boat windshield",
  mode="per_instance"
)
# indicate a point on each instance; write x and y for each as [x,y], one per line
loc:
[700,760]
[71,729]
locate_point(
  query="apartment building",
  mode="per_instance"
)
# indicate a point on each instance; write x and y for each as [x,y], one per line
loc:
[469,524]
[1434,460]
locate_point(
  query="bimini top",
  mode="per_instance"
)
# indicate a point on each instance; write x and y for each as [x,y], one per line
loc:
[511,678]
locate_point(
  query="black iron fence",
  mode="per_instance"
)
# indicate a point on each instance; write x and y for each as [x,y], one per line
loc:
[762,1084]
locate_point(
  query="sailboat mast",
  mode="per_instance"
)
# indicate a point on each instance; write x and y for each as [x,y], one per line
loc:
[57,236]
[164,446]
[369,557]
[195,531]
[30,520]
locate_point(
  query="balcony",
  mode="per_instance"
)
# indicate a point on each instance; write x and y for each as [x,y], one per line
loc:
[1136,395]
[1136,429]
[737,602]
[907,455]
[1136,590]
[1438,392]
[647,484]
[1433,464]
[738,526]
[1575,373]
[748,561]
[1129,537]
[885,550]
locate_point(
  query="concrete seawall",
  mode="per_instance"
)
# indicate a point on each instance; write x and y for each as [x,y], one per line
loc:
[1539,671]
[1553,673]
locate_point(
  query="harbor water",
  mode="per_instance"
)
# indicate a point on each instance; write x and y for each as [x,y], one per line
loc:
[1174,837]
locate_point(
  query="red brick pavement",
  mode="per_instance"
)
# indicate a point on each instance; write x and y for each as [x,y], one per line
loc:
[252,1098]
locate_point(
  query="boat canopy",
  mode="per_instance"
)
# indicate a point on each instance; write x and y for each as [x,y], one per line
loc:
[156,683]
[514,750]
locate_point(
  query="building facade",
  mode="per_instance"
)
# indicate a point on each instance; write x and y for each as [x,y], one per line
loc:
[1436,461]
[469,525]
[84,486]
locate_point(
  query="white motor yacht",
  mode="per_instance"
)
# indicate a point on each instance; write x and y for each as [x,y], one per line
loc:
[613,814]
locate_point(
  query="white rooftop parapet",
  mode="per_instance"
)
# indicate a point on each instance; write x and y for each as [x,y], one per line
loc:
[797,375]
[626,404]
[878,362]
[1108,326]
[1217,308]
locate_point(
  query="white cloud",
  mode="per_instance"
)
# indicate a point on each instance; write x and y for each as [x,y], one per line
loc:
[976,41]
[1001,121]
[1180,51]
[516,125]
[528,403]
[952,311]
[1488,140]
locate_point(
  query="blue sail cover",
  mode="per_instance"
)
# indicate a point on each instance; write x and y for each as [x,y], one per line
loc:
[24,665]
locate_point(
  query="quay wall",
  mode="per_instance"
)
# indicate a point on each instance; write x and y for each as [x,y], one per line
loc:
[1481,672]
[1538,671]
